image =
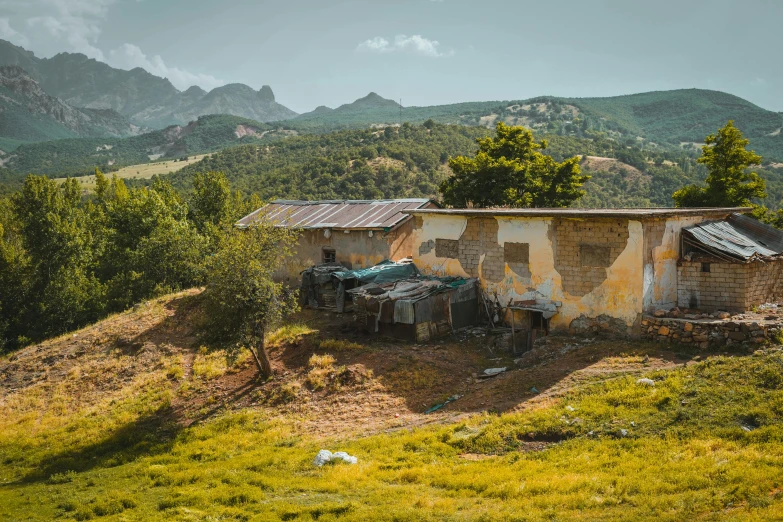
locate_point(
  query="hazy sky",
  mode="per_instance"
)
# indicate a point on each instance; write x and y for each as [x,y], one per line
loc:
[426,52]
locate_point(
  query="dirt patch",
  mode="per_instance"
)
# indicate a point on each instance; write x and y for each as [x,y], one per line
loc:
[246,130]
[599,163]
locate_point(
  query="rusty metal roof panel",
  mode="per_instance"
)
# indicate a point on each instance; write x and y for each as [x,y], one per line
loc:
[340,214]
[739,237]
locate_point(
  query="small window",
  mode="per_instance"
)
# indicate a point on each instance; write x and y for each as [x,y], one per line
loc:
[594,256]
[705,267]
[330,256]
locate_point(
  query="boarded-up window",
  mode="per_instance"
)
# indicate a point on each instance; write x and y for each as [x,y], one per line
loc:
[329,255]
[516,253]
[594,255]
[447,248]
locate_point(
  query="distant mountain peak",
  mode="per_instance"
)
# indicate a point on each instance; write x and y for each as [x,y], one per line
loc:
[371,101]
[194,90]
[266,94]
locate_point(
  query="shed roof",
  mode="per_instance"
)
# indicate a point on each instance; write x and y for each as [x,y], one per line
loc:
[633,213]
[737,237]
[344,214]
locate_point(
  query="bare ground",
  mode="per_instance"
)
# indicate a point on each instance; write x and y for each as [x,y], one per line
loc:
[378,385]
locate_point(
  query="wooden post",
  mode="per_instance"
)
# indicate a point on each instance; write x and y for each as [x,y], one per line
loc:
[513,333]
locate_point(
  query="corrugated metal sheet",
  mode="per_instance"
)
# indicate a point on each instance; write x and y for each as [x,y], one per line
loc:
[738,237]
[339,214]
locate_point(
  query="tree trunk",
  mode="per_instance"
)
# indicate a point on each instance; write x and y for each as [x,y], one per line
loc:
[261,359]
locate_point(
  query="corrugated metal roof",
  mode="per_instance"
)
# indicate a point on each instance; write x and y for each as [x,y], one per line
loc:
[739,237]
[340,214]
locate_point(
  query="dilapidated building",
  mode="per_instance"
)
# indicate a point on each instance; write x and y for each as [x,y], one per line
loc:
[356,234]
[572,268]
[733,264]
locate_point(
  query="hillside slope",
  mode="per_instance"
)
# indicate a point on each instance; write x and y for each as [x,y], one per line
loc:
[29,114]
[143,98]
[132,418]
[82,156]
[663,120]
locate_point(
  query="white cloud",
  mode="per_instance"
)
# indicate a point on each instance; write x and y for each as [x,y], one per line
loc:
[129,56]
[9,33]
[416,44]
[52,26]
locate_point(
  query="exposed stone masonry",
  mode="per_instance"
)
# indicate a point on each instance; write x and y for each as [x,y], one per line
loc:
[728,286]
[571,235]
[709,333]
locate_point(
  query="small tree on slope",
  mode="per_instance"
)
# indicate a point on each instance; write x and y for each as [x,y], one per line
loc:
[243,302]
[510,171]
[729,184]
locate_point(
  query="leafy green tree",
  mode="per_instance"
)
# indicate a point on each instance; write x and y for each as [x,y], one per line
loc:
[510,171]
[242,300]
[729,183]
[56,233]
[211,199]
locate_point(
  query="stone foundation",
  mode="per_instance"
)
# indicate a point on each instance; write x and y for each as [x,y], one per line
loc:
[709,333]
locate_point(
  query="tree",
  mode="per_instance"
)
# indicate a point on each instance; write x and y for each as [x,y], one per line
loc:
[242,300]
[729,184]
[210,200]
[510,171]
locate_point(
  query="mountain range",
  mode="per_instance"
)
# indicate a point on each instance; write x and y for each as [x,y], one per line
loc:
[72,96]
[144,99]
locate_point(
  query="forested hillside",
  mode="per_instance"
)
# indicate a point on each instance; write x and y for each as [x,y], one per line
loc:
[411,161]
[662,120]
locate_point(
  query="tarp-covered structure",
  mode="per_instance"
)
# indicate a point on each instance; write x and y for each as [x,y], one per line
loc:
[737,238]
[419,308]
[325,286]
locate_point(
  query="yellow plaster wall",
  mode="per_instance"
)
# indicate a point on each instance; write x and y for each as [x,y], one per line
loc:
[660,270]
[620,295]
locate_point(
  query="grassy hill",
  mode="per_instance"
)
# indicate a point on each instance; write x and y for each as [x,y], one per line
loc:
[132,419]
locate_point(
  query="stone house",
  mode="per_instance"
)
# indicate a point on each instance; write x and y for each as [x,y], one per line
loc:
[732,264]
[564,268]
[354,233]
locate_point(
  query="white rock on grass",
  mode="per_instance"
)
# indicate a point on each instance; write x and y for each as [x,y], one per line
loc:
[646,382]
[326,456]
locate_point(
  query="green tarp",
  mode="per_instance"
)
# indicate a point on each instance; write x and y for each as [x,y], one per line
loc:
[384,272]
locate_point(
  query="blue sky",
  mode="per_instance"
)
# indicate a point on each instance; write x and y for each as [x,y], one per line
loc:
[424,52]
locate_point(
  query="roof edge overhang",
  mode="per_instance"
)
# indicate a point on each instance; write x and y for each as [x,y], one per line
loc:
[636,213]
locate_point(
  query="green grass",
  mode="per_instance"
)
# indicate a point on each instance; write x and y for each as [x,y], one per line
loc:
[705,442]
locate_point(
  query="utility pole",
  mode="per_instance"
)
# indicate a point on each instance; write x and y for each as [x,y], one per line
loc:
[400,112]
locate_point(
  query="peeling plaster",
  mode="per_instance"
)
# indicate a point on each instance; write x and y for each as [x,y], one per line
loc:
[661,286]
[621,294]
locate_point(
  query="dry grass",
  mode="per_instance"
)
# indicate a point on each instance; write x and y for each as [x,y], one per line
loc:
[142,171]
[339,345]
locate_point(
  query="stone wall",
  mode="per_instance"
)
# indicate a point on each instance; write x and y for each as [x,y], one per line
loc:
[711,286]
[709,333]
[729,286]
[764,283]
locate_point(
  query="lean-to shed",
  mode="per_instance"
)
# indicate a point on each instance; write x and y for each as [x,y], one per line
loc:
[417,309]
